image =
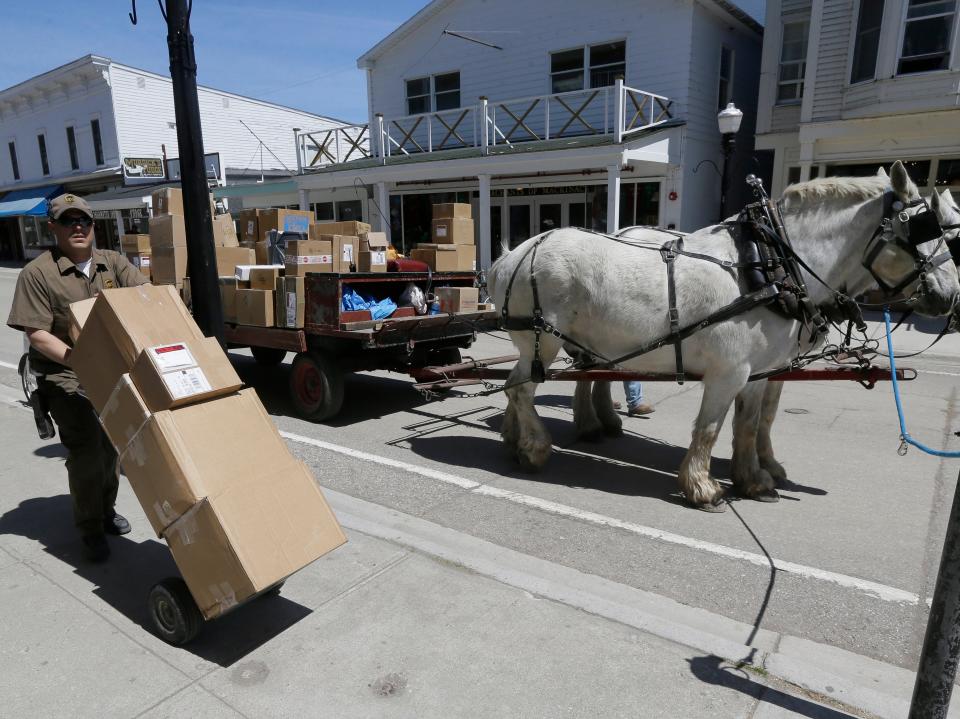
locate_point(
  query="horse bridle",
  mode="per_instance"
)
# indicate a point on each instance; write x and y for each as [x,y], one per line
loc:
[920,227]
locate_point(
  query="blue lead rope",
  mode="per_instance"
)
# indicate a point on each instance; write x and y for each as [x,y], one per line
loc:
[905,437]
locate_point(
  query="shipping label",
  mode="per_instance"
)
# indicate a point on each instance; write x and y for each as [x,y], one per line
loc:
[291,309]
[296,223]
[348,253]
[441,230]
[186,382]
[171,357]
[250,228]
[378,257]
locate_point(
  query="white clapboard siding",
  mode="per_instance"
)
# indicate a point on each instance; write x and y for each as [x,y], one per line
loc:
[145,119]
[75,105]
[657,35]
[795,7]
[831,71]
[785,118]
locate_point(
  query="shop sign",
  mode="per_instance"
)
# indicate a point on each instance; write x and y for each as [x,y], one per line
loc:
[143,168]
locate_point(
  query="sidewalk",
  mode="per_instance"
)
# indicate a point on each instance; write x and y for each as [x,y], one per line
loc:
[409,619]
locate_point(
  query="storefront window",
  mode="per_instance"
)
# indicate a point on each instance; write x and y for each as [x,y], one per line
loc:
[349,210]
[36,235]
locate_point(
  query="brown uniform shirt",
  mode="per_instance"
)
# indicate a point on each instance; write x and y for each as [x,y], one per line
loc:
[45,289]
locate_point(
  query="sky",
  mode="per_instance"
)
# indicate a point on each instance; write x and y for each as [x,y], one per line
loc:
[299,53]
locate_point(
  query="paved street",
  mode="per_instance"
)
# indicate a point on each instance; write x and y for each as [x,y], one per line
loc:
[469,588]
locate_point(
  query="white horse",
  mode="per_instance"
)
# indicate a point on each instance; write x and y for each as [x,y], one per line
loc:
[613,299]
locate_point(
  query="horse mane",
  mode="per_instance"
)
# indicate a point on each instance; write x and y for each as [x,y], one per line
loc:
[831,188]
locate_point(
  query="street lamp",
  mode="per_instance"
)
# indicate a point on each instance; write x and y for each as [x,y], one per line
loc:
[729,121]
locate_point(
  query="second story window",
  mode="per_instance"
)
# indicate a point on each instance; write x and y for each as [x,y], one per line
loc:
[868,40]
[444,89]
[725,90]
[42,145]
[72,147]
[927,36]
[97,141]
[793,62]
[593,66]
[12,146]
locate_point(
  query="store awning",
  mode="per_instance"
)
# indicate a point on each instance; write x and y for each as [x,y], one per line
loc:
[28,202]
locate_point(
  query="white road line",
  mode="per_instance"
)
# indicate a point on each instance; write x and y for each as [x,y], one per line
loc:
[880,591]
[8,365]
[945,374]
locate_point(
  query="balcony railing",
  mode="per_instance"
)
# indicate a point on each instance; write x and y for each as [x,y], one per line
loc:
[616,112]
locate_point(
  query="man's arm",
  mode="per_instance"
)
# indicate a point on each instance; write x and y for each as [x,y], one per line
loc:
[128,274]
[48,345]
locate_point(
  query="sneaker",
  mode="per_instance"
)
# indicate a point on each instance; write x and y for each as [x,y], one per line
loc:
[95,547]
[641,408]
[116,525]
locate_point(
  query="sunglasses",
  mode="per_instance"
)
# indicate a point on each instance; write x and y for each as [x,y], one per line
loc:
[83,221]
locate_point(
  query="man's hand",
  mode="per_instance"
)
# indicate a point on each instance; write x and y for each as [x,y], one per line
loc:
[49,346]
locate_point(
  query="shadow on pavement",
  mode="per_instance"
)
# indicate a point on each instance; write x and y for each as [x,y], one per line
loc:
[718,672]
[125,580]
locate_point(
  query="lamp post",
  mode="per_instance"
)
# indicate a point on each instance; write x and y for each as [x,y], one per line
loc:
[728,120]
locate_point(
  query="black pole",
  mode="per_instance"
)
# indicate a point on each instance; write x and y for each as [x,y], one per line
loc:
[727,144]
[201,256]
[941,645]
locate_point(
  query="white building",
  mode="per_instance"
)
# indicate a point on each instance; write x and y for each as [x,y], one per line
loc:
[515,108]
[108,131]
[848,85]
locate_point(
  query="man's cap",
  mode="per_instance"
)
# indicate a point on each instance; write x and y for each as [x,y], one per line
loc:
[68,201]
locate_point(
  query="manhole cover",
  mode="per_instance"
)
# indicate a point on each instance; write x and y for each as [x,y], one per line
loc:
[796,410]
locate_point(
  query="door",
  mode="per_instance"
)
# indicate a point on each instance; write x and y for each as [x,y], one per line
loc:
[518,227]
[549,216]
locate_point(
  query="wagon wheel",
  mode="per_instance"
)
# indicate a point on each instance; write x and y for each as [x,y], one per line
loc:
[444,356]
[175,615]
[316,386]
[268,356]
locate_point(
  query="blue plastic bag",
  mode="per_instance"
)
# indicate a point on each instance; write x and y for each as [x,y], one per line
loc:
[353,300]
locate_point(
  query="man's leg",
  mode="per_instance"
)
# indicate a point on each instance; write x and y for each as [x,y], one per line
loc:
[81,434]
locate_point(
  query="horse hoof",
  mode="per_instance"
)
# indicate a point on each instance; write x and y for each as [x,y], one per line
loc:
[714,508]
[766,495]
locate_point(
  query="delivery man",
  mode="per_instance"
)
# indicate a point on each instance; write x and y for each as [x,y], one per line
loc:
[73,270]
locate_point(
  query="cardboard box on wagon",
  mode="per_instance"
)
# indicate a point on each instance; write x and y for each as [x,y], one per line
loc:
[255,307]
[289,302]
[441,258]
[168,201]
[167,231]
[135,244]
[345,249]
[178,373]
[228,298]
[234,544]
[283,221]
[303,256]
[446,210]
[264,278]
[375,261]
[229,257]
[458,299]
[373,241]
[453,231]
[225,231]
[168,265]
[250,227]
[350,228]
[122,323]
[141,262]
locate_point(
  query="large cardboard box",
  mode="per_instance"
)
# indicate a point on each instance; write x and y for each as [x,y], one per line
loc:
[141,262]
[228,298]
[264,278]
[442,258]
[303,256]
[262,253]
[373,241]
[250,227]
[123,414]
[252,535]
[168,265]
[179,456]
[229,257]
[167,231]
[289,302]
[168,201]
[451,209]
[255,307]
[119,326]
[283,221]
[135,244]
[466,258]
[345,249]
[224,231]
[453,231]
[79,311]
[350,228]
[372,261]
[458,299]
[179,373]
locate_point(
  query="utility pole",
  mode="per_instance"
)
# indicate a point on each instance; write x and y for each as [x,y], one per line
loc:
[201,255]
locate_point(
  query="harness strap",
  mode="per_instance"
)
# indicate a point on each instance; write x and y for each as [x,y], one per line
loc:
[667,252]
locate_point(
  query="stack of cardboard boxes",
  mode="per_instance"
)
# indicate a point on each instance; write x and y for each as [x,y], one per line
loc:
[454,246]
[137,249]
[203,457]
[168,240]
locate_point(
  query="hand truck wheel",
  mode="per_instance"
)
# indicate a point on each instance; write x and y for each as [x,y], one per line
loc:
[175,615]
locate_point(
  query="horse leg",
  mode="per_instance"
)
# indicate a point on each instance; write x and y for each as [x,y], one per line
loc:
[534,444]
[768,413]
[585,417]
[510,431]
[749,478]
[603,404]
[697,485]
